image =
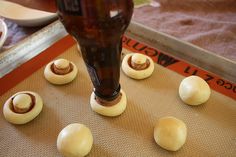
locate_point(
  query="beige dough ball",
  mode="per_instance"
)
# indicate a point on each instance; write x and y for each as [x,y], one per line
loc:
[21,103]
[139,58]
[75,140]
[170,133]
[193,90]
[61,63]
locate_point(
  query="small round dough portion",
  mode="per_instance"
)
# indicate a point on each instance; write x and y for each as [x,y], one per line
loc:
[75,140]
[170,133]
[21,103]
[22,118]
[137,74]
[193,90]
[62,78]
[110,111]
[61,63]
[138,58]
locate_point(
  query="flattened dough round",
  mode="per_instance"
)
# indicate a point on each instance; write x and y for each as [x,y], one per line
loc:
[22,118]
[59,79]
[110,111]
[137,74]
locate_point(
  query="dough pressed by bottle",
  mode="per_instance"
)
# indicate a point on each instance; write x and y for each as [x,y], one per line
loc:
[193,90]
[75,140]
[22,107]
[137,59]
[64,71]
[110,111]
[170,133]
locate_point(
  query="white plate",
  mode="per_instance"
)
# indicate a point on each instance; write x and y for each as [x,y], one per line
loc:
[24,16]
[3,29]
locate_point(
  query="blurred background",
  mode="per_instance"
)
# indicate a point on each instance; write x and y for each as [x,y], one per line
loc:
[210,24]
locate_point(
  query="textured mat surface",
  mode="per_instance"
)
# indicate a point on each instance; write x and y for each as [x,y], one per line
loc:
[211,127]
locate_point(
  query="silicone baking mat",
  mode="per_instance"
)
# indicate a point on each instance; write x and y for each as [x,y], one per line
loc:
[211,126]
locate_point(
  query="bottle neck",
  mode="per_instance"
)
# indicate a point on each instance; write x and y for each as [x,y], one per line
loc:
[110,97]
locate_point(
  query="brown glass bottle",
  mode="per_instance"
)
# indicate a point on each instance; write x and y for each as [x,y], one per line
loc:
[98,26]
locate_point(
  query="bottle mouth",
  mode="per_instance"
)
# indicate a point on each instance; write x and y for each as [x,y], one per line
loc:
[108,98]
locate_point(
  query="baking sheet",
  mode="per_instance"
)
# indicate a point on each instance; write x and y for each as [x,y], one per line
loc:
[209,24]
[211,126]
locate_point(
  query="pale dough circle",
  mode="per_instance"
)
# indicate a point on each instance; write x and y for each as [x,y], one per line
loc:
[59,79]
[137,74]
[170,133]
[22,118]
[75,140]
[193,90]
[110,111]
